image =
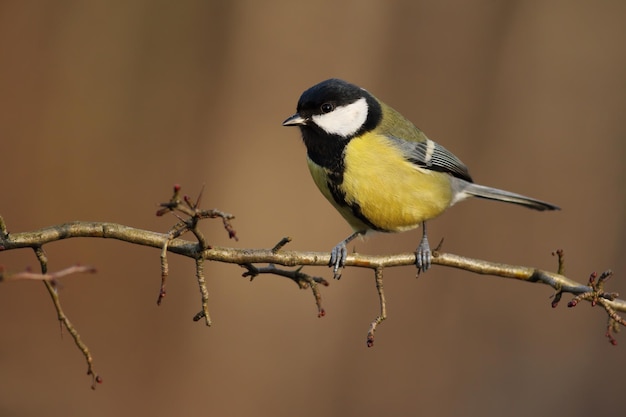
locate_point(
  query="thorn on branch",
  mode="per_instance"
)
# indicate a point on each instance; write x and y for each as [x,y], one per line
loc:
[194,206]
[438,248]
[277,247]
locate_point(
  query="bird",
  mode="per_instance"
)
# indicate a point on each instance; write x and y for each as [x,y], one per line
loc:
[378,170]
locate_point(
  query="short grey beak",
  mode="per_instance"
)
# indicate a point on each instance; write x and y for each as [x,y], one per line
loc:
[295,120]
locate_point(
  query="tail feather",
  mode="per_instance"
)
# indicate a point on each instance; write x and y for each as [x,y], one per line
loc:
[489,193]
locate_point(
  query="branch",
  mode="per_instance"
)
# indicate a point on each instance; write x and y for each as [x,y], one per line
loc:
[189,215]
[189,249]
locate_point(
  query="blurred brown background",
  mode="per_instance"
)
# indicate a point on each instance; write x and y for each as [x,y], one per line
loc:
[105,105]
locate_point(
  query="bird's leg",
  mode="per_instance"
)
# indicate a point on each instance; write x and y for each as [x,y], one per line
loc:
[339,254]
[423,256]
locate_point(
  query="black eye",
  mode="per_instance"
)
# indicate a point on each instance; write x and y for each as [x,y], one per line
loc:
[327,107]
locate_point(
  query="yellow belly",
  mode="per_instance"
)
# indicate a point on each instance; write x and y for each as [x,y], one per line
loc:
[392,193]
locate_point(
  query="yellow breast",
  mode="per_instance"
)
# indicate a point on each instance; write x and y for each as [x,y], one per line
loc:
[391,192]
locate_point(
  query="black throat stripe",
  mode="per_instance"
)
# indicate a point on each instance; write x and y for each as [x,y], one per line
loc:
[340,198]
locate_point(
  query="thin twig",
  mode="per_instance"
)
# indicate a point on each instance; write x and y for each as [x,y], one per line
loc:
[190,224]
[43,261]
[383,307]
[165,269]
[203,291]
[596,296]
[303,280]
[52,277]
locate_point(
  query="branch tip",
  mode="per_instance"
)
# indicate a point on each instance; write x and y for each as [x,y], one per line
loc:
[560,253]
[95,378]
[162,294]
[277,247]
[252,271]
[3,231]
[557,298]
[198,316]
[613,326]
[596,296]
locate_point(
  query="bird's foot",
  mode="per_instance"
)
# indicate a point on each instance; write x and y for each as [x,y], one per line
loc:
[423,256]
[338,258]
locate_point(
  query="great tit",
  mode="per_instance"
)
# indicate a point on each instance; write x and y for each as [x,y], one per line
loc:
[380,171]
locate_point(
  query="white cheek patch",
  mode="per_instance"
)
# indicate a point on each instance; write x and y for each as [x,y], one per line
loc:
[344,120]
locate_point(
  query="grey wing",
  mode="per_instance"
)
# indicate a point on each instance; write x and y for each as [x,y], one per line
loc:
[430,155]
